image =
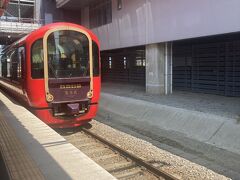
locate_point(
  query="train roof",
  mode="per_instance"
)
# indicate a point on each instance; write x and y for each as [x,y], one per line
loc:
[44,29]
[47,27]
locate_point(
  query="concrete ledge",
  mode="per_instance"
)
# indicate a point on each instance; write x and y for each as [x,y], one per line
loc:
[215,130]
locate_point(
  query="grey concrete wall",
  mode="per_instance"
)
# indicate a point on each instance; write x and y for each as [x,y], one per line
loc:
[37,9]
[204,127]
[47,9]
[48,12]
[150,21]
[85,17]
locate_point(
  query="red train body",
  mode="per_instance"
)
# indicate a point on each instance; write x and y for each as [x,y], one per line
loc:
[55,70]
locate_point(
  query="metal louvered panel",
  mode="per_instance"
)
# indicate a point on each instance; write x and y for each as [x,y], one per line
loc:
[125,65]
[207,67]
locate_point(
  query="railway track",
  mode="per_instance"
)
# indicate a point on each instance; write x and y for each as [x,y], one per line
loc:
[120,163]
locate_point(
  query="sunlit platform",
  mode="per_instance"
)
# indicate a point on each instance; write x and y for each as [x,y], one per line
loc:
[32,150]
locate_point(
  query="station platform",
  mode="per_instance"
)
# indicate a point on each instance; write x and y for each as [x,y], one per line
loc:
[210,119]
[32,150]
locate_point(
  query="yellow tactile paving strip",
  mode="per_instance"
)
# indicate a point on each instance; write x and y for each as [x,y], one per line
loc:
[18,163]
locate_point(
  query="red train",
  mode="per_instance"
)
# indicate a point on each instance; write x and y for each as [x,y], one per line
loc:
[55,70]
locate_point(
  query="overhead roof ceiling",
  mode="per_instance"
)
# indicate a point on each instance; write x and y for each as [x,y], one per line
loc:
[72,4]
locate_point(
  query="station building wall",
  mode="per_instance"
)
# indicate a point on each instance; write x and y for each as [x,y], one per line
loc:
[141,22]
[188,45]
[208,65]
[204,65]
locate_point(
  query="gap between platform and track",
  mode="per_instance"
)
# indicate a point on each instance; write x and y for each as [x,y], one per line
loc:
[221,132]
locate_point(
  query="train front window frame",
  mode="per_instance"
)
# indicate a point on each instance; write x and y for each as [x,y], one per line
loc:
[37,65]
[96,68]
[68,54]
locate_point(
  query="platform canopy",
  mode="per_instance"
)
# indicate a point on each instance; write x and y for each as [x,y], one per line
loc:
[72,4]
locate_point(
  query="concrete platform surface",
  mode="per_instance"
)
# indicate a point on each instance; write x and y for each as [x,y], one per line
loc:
[51,153]
[211,123]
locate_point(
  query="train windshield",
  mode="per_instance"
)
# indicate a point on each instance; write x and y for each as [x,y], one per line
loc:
[68,54]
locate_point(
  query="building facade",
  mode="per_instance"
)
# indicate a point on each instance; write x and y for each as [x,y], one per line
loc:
[165,45]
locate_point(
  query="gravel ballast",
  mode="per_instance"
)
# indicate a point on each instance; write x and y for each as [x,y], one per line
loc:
[171,163]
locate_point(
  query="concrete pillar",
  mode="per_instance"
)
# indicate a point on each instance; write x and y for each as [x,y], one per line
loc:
[37,9]
[85,16]
[159,68]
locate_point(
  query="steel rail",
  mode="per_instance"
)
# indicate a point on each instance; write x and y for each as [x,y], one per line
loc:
[139,161]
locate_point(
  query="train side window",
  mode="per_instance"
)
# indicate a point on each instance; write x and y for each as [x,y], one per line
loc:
[14,64]
[9,65]
[37,67]
[21,61]
[16,59]
[4,65]
[95,59]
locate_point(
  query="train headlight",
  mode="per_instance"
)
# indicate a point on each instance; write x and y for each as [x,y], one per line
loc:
[90,94]
[49,97]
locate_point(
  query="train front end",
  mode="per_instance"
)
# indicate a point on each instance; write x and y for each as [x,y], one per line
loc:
[71,77]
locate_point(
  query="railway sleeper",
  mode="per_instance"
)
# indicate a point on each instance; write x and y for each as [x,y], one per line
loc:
[77,140]
[95,151]
[87,145]
[128,174]
[116,160]
[100,153]
[105,157]
[121,166]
